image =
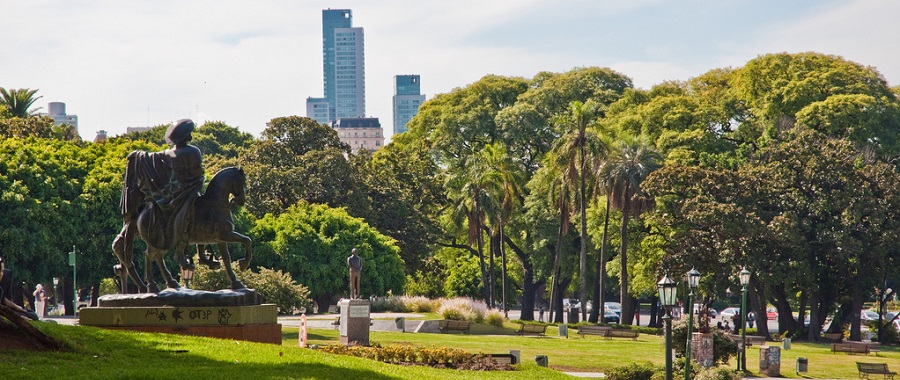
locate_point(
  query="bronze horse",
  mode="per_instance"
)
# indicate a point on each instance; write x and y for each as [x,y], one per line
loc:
[212,224]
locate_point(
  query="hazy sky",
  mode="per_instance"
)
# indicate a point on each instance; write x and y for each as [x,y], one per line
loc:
[136,63]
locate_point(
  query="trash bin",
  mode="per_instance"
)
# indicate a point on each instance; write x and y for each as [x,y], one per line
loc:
[541,360]
[564,330]
[763,358]
[573,314]
[401,323]
[786,343]
[802,364]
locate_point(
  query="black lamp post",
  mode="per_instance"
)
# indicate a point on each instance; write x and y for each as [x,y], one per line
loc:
[744,276]
[693,277]
[667,296]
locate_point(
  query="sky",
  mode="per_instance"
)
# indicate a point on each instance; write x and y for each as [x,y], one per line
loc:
[129,63]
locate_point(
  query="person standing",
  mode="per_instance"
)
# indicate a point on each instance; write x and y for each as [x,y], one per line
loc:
[355,264]
[40,301]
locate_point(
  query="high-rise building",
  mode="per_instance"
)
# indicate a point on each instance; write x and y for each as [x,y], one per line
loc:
[407,99]
[343,53]
[57,112]
[319,109]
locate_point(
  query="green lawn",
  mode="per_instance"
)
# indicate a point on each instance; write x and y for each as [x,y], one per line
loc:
[104,354]
[596,354]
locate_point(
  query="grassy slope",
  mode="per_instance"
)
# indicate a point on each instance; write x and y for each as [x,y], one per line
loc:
[103,354]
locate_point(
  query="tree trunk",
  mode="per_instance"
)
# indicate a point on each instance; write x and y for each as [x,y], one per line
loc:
[654,312]
[856,304]
[529,287]
[555,280]
[484,278]
[582,258]
[504,305]
[599,290]
[491,290]
[758,305]
[624,296]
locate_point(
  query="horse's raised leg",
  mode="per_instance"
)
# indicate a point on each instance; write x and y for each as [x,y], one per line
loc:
[226,261]
[234,237]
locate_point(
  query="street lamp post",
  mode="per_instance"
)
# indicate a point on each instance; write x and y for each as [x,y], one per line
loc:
[667,297]
[56,292]
[745,279]
[693,281]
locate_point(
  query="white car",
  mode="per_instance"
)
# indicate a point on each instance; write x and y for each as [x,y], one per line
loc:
[868,315]
[729,313]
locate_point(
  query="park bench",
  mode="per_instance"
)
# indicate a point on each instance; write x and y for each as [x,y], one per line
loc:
[850,348]
[873,346]
[531,329]
[837,337]
[332,309]
[866,369]
[751,339]
[593,330]
[623,333]
[451,325]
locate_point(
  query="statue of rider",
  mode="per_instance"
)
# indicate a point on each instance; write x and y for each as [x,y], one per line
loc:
[167,183]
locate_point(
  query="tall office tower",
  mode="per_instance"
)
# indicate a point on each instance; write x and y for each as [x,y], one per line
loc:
[407,99]
[57,112]
[319,110]
[343,65]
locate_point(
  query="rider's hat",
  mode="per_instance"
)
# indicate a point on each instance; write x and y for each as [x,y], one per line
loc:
[179,131]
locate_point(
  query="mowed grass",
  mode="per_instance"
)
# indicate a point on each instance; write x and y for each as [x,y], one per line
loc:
[105,354]
[596,354]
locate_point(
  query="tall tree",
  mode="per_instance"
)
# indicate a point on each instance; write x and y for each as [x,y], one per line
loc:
[578,148]
[629,163]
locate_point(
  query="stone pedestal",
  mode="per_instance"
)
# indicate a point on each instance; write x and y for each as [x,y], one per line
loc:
[255,323]
[702,349]
[355,322]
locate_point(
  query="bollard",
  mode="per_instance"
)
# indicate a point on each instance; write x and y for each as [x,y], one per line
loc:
[564,330]
[786,343]
[541,360]
[802,365]
[763,358]
[517,354]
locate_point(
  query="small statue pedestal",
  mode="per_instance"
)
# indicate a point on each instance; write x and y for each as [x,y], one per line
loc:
[355,322]
[188,312]
[702,349]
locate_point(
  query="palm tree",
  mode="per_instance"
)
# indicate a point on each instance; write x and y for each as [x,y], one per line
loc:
[504,175]
[572,153]
[473,200]
[632,160]
[18,102]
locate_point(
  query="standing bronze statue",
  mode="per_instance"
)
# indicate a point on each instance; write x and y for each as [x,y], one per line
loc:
[161,202]
[355,264]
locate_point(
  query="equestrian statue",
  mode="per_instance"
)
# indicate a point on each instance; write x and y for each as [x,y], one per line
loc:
[161,203]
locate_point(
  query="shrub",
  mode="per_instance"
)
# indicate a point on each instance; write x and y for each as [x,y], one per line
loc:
[389,303]
[723,347]
[275,287]
[719,373]
[420,304]
[403,354]
[463,309]
[634,371]
[494,317]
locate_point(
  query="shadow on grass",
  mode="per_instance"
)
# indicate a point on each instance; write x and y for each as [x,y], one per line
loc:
[100,354]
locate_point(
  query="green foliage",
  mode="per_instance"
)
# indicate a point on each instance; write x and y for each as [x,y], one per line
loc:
[719,373]
[274,286]
[18,102]
[312,242]
[723,347]
[442,357]
[634,371]
[494,317]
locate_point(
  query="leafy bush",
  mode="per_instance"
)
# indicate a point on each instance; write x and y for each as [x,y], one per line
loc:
[420,304]
[494,317]
[635,371]
[463,309]
[403,354]
[723,347]
[275,287]
[719,373]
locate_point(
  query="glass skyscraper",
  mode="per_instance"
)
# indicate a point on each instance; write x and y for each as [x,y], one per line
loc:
[343,62]
[407,99]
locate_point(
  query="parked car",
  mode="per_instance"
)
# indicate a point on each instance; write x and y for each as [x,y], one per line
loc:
[611,316]
[868,315]
[729,312]
[712,312]
[615,307]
